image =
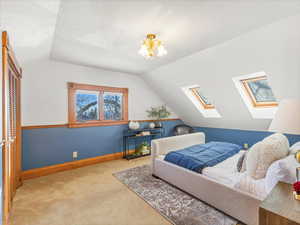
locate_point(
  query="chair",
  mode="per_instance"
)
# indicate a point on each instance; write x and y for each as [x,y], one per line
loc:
[182,129]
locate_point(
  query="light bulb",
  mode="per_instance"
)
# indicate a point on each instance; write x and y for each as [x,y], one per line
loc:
[143,50]
[161,51]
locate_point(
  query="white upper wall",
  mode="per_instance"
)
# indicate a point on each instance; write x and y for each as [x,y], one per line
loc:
[45,93]
[274,49]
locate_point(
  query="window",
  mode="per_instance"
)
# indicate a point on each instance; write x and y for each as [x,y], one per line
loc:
[87,106]
[201,98]
[200,101]
[259,92]
[112,106]
[91,105]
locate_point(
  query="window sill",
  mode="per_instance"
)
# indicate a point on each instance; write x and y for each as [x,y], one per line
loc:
[97,124]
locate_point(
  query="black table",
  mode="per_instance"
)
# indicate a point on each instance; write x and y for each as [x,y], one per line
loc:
[130,138]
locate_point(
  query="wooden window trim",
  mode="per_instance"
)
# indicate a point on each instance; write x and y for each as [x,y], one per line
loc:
[199,98]
[73,87]
[252,97]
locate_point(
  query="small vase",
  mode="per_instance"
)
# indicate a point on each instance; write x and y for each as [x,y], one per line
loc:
[151,125]
[134,125]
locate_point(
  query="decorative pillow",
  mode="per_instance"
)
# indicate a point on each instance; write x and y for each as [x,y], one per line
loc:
[264,153]
[252,186]
[281,170]
[274,174]
[295,148]
[239,165]
[289,165]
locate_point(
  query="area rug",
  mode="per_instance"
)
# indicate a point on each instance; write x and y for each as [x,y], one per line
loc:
[175,205]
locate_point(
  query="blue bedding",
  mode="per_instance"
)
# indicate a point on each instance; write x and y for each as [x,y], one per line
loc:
[197,157]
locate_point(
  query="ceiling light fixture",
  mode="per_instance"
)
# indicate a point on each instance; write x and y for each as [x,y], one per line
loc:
[152,47]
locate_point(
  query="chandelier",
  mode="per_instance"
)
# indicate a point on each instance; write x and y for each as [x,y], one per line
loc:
[152,47]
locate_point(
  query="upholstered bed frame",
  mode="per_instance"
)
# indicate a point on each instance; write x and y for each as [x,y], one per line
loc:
[240,205]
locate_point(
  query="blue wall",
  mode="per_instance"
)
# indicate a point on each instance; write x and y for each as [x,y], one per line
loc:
[49,146]
[239,136]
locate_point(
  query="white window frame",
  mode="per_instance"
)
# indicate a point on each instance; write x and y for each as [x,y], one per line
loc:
[256,112]
[210,112]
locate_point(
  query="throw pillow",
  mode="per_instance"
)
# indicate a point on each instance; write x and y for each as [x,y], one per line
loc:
[281,170]
[264,153]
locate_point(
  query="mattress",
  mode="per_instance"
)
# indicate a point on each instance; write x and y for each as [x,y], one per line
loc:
[226,173]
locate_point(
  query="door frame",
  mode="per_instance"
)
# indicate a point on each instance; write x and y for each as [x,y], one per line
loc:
[10,183]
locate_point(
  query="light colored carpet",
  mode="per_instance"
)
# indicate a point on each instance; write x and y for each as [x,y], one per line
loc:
[85,196]
[176,205]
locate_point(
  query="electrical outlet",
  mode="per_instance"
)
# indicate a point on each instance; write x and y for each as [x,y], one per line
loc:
[75,155]
[246,146]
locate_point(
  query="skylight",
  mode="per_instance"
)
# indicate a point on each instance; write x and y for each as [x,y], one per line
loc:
[201,98]
[201,102]
[259,91]
[257,95]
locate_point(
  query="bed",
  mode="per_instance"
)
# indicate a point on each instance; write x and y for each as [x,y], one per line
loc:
[219,185]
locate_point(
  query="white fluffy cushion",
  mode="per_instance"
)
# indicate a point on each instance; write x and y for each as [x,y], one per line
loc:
[281,170]
[263,153]
[295,148]
[253,186]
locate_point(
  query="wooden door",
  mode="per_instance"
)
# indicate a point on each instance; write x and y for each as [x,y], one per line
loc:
[11,115]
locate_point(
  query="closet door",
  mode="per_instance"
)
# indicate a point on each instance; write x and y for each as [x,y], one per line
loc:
[11,116]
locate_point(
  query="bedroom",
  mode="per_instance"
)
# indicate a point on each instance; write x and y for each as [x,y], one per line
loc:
[62,151]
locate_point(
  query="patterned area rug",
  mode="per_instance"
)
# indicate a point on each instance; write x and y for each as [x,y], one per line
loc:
[175,205]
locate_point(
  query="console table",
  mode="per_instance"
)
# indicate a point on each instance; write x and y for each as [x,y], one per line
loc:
[132,138]
[280,207]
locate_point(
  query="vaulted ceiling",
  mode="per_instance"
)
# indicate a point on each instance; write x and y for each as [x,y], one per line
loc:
[107,34]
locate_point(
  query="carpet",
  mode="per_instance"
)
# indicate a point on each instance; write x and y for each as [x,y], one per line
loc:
[175,205]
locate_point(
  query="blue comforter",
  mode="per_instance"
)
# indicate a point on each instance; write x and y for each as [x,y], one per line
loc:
[197,157]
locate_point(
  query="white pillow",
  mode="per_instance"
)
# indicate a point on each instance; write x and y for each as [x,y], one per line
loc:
[274,175]
[264,153]
[281,170]
[253,186]
[295,148]
[289,165]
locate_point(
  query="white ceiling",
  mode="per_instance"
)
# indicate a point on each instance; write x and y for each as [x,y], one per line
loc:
[107,34]
[30,25]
